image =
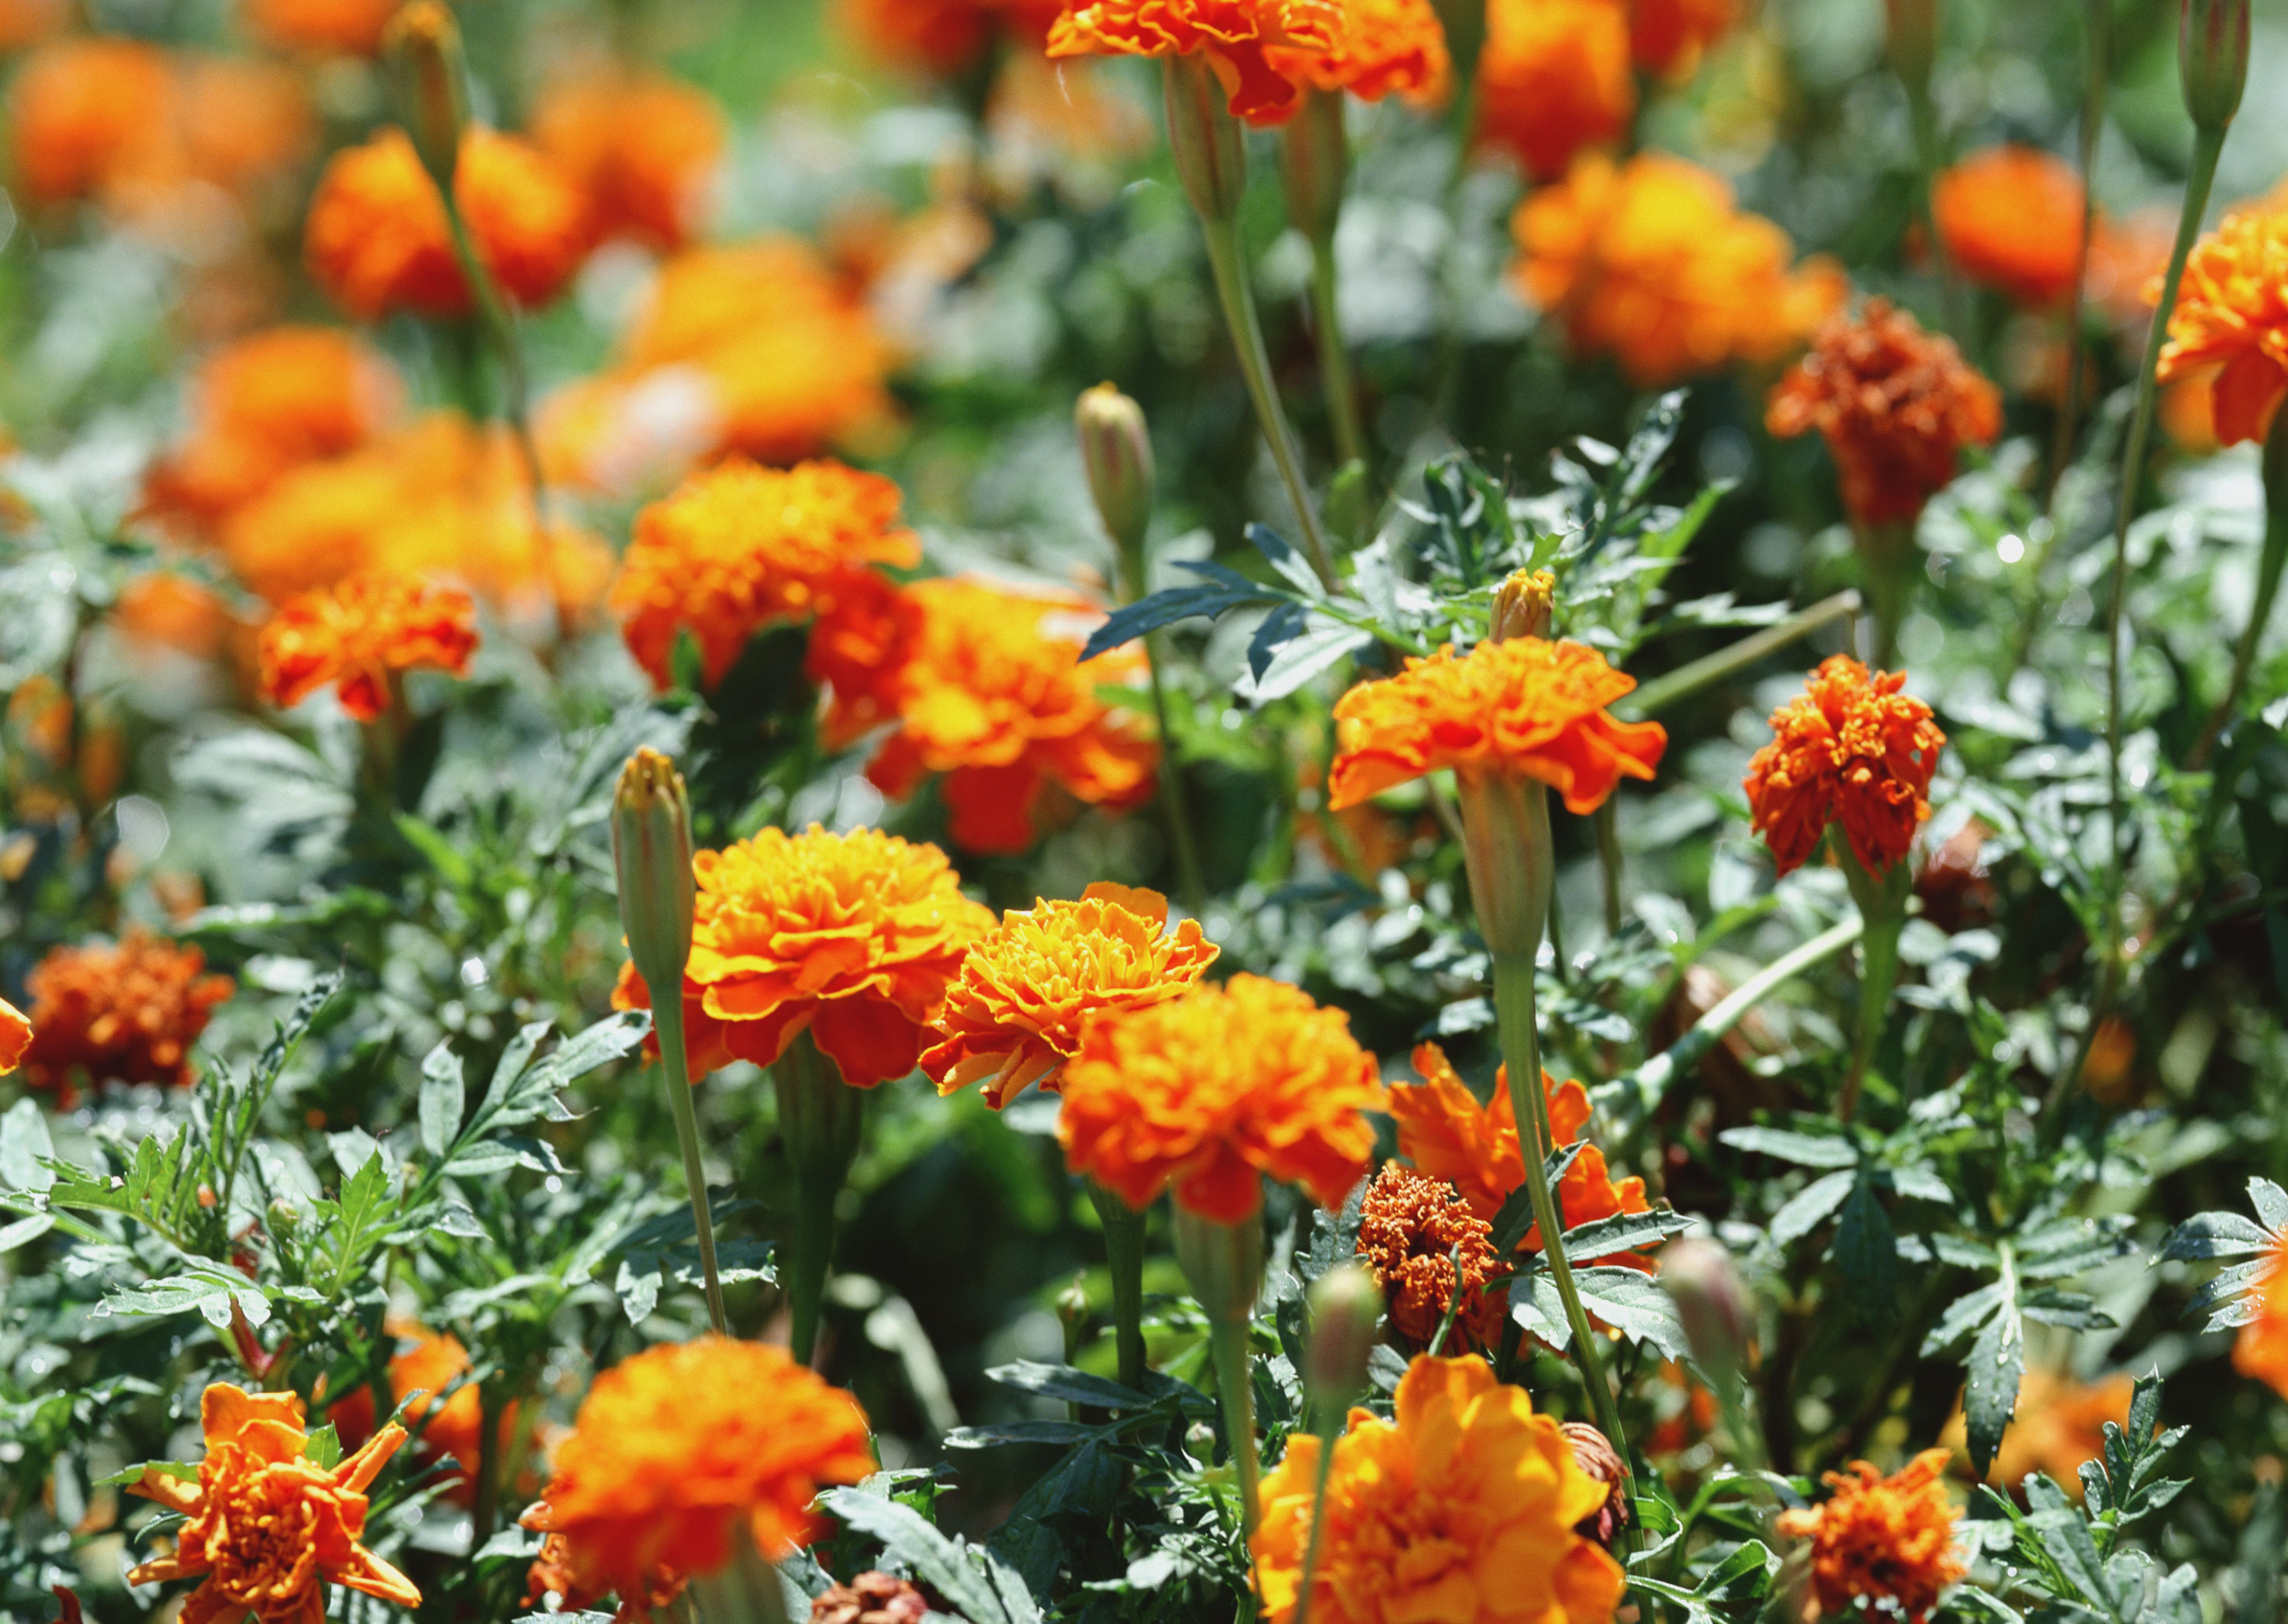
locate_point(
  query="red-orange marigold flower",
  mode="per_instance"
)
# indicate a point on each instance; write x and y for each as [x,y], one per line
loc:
[1853,749]
[740,548]
[1554,79]
[1208,1091]
[679,1449]
[1426,1248]
[641,148]
[76,110]
[1667,36]
[1388,47]
[356,637]
[127,1012]
[1521,708]
[1238,36]
[1894,404]
[1880,1539]
[1014,1016]
[349,27]
[267,1528]
[2261,1348]
[15,1037]
[2011,217]
[943,37]
[2232,314]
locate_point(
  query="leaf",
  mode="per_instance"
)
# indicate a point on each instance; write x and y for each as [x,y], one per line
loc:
[2271,1203]
[2214,1235]
[1803,1149]
[437,850]
[941,1564]
[1810,1207]
[1515,1219]
[323,1448]
[1966,1312]
[1304,657]
[1021,1432]
[25,1148]
[209,1288]
[1866,1252]
[1073,1386]
[1633,1304]
[1624,1231]
[1291,566]
[1212,598]
[1919,1182]
[443,1094]
[1282,625]
[1997,1361]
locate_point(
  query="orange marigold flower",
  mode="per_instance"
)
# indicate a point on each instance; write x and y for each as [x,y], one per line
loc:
[942,37]
[2011,217]
[740,548]
[2261,1348]
[991,691]
[1894,404]
[15,1037]
[1667,36]
[126,1012]
[2232,314]
[356,637]
[24,22]
[268,1528]
[1461,1508]
[1014,1016]
[1553,78]
[1427,1248]
[1205,1093]
[1523,707]
[679,1449]
[1853,749]
[642,148]
[1389,47]
[79,108]
[1239,36]
[427,1362]
[348,28]
[552,1573]
[2058,1424]
[377,240]
[854,937]
[1880,1539]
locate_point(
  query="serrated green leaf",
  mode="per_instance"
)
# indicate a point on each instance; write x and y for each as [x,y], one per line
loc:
[1785,1144]
[443,1096]
[1996,1366]
[1808,1207]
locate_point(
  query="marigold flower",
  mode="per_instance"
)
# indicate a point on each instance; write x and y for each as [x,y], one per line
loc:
[552,1575]
[24,22]
[942,37]
[873,1597]
[1427,1249]
[348,28]
[740,548]
[1553,79]
[854,937]
[2232,314]
[1461,1509]
[1014,1016]
[677,1449]
[641,148]
[358,636]
[1667,36]
[1894,404]
[15,1037]
[1880,1539]
[126,1012]
[1205,1093]
[268,1529]
[2011,218]
[2058,1424]
[2261,1348]
[1238,36]
[377,240]
[78,110]
[1388,47]
[991,691]
[1522,707]
[1855,749]
[427,1362]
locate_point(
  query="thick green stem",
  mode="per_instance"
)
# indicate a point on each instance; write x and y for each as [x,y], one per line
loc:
[1123,1255]
[1658,696]
[1334,357]
[1609,863]
[1886,554]
[1882,901]
[500,322]
[1224,1265]
[2269,565]
[1227,1348]
[820,1119]
[668,1019]
[1327,1438]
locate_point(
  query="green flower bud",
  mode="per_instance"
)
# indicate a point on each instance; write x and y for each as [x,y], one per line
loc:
[1314,163]
[1115,449]
[651,849]
[423,43]
[2213,59]
[1699,1274]
[1345,1307]
[1205,141]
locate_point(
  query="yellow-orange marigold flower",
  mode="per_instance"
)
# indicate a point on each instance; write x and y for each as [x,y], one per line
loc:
[2232,314]
[1880,1539]
[2011,217]
[1425,1247]
[2261,1348]
[1205,1093]
[2058,1424]
[126,1012]
[1667,36]
[1460,1509]
[1521,708]
[853,937]
[349,27]
[1853,749]
[740,548]
[642,148]
[377,238]
[681,1449]
[356,637]
[1553,79]
[15,1037]
[1238,36]
[268,1529]
[1894,404]
[1014,1016]
[1389,47]
[77,110]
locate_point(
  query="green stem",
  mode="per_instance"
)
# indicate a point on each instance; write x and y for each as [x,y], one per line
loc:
[1927,162]
[1228,1349]
[1224,1265]
[667,1018]
[1887,556]
[1335,374]
[1330,1434]
[1653,697]
[745,1591]
[1607,821]
[2098,24]
[1123,1254]
[820,1119]
[2267,588]
[1882,902]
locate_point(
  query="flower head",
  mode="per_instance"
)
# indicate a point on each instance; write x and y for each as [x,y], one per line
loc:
[1667,36]
[642,149]
[15,1037]
[1880,1539]
[682,1448]
[1895,405]
[268,1528]
[2232,314]
[2261,1348]
[1523,707]
[1014,1016]
[1554,79]
[344,27]
[942,37]
[1461,1508]
[740,548]
[1428,1250]
[426,1363]
[1853,749]
[1204,1092]
[77,110]
[2011,217]
[1388,47]
[127,1012]
[1239,36]
[358,636]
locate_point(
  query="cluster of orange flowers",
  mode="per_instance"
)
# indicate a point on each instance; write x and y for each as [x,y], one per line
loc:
[1854,749]
[127,1012]
[360,636]
[1386,47]
[2232,314]
[1432,1255]
[1557,77]
[1886,1541]
[1649,262]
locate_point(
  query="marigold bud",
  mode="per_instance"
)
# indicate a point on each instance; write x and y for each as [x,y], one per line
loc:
[1595,1454]
[1521,605]
[651,849]
[424,43]
[1205,140]
[1116,449]
[1700,1275]
[1346,1305]
[1313,163]
[2213,59]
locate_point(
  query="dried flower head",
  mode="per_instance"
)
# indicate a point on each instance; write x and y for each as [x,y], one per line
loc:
[1460,1509]
[1524,707]
[2011,217]
[1881,1540]
[552,1575]
[2232,314]
[1014,1016]
[267,1528]
[360,636]
[344,27]
[127,1012]
[1205,1093]
[740,548]
[1853,749]
[682,1448]
[642,148]
[1553,79]
[2261,1348]
[1427,1249]
[1388,47]
[871,1599]
[1239,36]
[1895,405]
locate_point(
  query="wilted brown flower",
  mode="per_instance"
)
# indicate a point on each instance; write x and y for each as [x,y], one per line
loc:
[1425,1247]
